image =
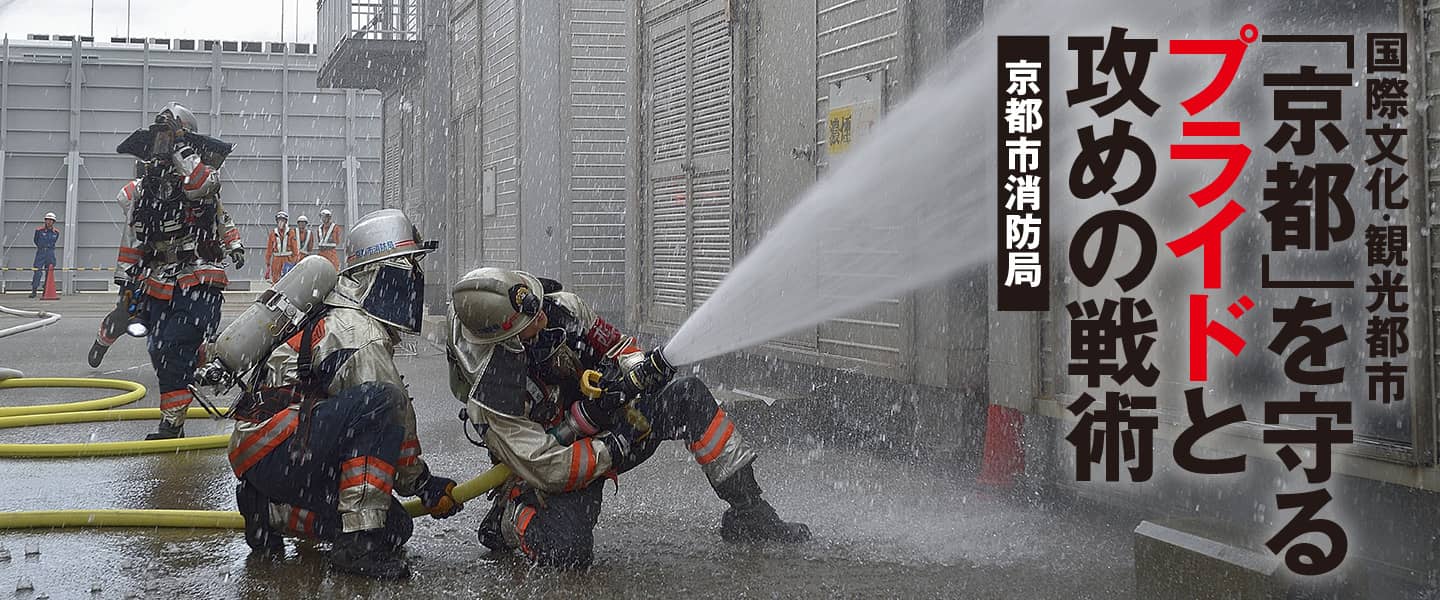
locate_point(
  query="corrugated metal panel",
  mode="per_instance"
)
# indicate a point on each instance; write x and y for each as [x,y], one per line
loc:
[689,210]
[500,112]
[115,85]
[667,213]
[464,59]
[711,219]
[393,132]
[600,89]
[853,37]
[467,190]
[414,150]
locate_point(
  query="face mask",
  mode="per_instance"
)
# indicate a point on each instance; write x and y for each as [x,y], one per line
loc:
[397,296]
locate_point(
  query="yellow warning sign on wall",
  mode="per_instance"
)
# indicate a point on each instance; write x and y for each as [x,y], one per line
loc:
[841,130]
[855,105]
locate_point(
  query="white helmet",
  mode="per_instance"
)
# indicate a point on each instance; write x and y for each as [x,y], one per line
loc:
[325,212]
[302,219]
[178,117]
[494,305]
[282,215]
[50,216]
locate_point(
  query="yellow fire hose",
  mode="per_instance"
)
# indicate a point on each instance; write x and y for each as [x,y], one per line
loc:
[133,391]
[90,411]
[206,519]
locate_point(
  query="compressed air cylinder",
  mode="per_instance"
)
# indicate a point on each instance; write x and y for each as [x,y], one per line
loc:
[275,315]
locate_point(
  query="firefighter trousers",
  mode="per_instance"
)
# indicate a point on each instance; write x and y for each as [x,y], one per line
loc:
[557,530]
[333,471]
[178,328]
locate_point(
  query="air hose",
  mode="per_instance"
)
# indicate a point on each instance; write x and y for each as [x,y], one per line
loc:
[89,411]
[206,519]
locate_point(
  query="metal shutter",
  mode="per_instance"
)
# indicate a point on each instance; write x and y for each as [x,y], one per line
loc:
[500,127]
[392,131]
[711,222]
[689,216]
[854,37]
[599,93]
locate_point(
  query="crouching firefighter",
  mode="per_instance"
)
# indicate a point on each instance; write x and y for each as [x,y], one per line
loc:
[519,347]
[326,430]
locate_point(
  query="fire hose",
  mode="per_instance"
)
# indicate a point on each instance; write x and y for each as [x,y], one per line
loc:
[89,411]
[206,519]
[45,318]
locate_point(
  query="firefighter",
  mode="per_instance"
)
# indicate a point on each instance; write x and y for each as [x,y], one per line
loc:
[304,238]
[518,345]
[331,432]
[280,250]
[172,256]
[45,238]
[327,238]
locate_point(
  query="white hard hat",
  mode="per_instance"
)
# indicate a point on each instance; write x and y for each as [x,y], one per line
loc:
[50,217]
[282,215]
[325,212]
[302,219]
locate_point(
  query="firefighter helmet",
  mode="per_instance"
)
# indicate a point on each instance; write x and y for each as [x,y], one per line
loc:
[382,235]
[178,117]
[495,305]
[383,272]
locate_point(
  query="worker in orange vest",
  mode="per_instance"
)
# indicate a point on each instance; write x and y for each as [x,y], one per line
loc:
[327,238]
[305,236]
[281,251]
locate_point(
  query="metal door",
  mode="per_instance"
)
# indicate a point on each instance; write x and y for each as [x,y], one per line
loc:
[688,203]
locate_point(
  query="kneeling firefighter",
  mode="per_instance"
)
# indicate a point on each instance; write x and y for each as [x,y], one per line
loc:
[326,429]
[519,347]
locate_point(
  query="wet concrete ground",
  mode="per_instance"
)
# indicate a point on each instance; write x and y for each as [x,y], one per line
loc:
[883,529]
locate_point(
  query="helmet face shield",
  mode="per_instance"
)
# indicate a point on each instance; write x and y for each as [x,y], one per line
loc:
[397,294]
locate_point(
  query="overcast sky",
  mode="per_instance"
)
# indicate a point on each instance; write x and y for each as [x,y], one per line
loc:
[238,20]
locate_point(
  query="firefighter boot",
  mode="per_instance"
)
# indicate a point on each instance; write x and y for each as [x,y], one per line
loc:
[97,354]
[255,508]
[750,518]
[368,553]
[167,431]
